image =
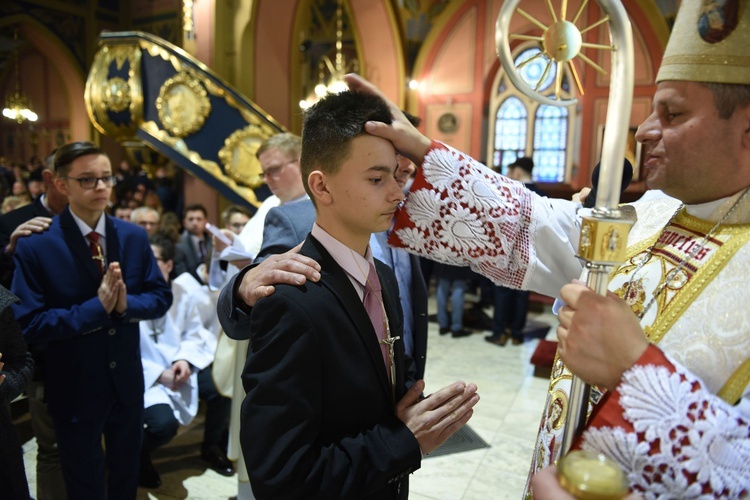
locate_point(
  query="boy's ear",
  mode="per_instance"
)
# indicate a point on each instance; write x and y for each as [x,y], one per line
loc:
[317,183]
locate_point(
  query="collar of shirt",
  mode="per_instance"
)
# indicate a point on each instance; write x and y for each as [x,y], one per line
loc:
[705,210]
[43,201]
[356,266]
[101,229]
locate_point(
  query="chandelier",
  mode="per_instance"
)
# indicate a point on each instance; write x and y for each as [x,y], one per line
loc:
[336,69]
[17,105]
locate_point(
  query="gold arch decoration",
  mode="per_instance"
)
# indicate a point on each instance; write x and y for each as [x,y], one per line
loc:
[104,95]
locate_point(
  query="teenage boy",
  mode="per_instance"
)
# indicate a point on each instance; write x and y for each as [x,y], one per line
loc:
[84,285]
[330,412]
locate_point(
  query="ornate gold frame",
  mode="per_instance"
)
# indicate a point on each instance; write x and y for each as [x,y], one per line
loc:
[183,104]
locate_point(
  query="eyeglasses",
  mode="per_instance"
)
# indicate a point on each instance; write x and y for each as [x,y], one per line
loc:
[92,182]
[275,170]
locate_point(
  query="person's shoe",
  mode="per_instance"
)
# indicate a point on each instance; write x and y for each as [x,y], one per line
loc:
[517,341]
[148,477]
[444,330]
[217,459]
[500,340]
[461,333]
[493,339]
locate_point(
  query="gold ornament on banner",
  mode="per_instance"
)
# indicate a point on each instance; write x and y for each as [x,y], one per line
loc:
[183,105]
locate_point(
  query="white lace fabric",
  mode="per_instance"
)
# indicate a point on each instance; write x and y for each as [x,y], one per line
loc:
[470,216]
[681,441]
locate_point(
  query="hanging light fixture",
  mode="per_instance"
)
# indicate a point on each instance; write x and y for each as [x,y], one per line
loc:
[336,69]
[17,105]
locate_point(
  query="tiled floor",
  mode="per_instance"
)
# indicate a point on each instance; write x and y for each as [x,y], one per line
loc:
[506,417]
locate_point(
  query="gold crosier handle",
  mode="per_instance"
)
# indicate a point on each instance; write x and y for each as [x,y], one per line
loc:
[604,235]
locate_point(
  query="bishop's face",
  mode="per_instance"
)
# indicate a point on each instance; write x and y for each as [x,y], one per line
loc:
[691,152]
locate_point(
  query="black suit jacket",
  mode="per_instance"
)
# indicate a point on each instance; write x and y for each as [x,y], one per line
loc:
[319,418]
[419,298]
[8,223]
[285,227]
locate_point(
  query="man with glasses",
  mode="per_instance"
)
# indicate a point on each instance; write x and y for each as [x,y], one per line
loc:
[279,163]
[84,285]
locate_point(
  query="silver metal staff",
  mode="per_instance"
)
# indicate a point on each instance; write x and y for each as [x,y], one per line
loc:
[604,235]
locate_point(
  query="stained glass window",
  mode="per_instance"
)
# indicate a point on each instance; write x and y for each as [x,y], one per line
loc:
[550,143]
[510,132]
[524,127]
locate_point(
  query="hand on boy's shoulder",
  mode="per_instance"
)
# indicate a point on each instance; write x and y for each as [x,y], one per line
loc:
[288,268]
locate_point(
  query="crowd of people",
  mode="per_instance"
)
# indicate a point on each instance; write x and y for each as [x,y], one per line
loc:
[319,392]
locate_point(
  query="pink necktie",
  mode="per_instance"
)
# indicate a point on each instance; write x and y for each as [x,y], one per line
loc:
[374,307]
[96,250]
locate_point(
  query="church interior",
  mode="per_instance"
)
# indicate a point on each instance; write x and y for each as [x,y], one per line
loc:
[115,72]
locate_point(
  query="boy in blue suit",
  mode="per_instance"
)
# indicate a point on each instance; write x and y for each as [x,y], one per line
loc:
[84,285]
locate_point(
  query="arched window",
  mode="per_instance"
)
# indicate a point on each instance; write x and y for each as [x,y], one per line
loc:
[510,132]
[523,127]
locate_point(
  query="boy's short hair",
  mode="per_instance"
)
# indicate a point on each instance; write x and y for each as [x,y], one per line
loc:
[289,144]
[164,244]
[330,125]
[69,152]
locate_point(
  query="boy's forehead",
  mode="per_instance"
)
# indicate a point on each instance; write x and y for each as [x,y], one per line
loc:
[90,163]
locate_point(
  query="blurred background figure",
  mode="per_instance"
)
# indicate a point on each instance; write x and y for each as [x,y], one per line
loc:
[16,370]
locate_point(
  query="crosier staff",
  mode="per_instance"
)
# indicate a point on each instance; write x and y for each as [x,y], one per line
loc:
[604,234]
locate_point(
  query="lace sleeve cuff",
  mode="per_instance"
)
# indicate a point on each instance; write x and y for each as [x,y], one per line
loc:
[460,212]
[672,437]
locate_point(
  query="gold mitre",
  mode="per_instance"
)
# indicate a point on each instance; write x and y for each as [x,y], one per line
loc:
[710,42]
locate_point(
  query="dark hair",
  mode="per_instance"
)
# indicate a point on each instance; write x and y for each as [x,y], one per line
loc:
[234,209]
[331,124]
[69,152]
[524,163]
[165,244]
[196,207]
[728,97]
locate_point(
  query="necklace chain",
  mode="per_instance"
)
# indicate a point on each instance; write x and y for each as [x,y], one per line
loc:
[692,253]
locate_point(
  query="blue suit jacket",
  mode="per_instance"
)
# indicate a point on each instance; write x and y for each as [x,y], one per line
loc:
[286,226]
[92,359]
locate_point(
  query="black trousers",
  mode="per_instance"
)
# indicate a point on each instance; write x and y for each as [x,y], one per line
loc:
[511,308]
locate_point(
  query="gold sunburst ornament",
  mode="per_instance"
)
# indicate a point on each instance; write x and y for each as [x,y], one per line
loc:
[561,42]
